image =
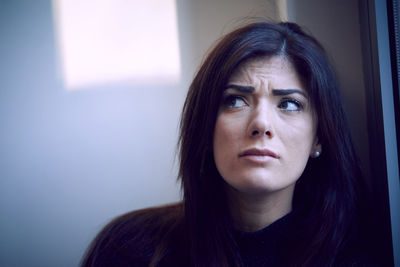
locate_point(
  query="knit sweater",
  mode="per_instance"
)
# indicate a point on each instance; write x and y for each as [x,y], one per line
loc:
[130,240]
[266,246]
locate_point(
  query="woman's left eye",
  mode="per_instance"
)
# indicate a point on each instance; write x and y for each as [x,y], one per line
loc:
[290,105]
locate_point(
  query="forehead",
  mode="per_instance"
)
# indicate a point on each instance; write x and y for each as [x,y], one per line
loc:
[271,68]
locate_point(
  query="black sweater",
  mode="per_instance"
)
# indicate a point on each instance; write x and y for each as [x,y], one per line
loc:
[265,247]
[131,240]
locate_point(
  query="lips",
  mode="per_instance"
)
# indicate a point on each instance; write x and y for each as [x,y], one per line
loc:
[258,153]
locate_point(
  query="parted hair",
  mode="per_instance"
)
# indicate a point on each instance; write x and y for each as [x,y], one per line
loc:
[327,196]
[327,190]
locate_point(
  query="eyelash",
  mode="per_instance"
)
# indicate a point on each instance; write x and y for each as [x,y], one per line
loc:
[227,102]
[298,104]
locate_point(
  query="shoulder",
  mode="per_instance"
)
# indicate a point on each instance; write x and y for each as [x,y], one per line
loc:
[132,238]
[356,254]
[360,260]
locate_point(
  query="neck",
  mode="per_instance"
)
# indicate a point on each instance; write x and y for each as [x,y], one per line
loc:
[252,212]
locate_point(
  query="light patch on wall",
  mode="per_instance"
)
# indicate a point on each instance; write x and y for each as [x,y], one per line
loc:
[107,41]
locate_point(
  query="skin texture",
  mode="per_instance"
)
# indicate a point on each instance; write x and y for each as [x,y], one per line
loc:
[266,108]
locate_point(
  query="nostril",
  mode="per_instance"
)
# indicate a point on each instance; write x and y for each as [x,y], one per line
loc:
[255,132]
[268,133]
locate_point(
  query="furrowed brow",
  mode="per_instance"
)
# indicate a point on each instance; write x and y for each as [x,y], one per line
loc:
[288,92]
[241,88]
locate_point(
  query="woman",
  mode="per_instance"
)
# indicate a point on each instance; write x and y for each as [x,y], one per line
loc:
[267,165]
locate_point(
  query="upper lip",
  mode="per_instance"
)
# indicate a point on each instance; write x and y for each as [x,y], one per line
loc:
[258,152]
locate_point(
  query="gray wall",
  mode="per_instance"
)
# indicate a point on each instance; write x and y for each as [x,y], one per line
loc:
[72,160]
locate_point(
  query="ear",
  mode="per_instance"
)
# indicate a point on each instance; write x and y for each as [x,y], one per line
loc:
[316,149]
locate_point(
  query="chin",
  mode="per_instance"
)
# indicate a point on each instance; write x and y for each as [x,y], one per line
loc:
[259,185]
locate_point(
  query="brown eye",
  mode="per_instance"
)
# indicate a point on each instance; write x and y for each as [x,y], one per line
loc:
[290,105]
[234,101]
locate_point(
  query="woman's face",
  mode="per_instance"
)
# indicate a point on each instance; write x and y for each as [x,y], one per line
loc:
[265,129]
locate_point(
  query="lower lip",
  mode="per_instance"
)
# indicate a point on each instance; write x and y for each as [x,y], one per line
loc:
[258,158]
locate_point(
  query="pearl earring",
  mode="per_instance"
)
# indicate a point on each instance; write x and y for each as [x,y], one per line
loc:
[317,154]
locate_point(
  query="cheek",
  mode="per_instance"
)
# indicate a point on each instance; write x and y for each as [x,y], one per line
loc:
[298,138]
[222,135]
[226,139]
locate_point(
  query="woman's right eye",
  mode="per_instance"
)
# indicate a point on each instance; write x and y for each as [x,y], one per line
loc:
[234,101]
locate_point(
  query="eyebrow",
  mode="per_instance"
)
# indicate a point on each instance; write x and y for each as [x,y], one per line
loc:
[276,92]
[241,88]
[288,92]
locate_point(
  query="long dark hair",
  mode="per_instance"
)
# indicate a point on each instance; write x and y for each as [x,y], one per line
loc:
[326,193]
[198,231]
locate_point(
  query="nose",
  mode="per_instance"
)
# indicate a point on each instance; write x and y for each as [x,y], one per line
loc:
[260,123]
